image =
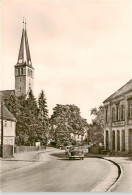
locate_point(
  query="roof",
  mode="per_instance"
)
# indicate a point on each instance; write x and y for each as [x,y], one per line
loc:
[124,89]
[7,93]
[24,51]
[7,115]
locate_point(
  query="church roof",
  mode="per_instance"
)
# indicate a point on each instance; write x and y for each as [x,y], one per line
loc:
[24,56]
[124,89]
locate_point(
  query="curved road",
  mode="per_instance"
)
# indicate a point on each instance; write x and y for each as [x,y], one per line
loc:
[57,175]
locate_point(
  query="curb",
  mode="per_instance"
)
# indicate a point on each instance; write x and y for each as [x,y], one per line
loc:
[111,181]
[120,172]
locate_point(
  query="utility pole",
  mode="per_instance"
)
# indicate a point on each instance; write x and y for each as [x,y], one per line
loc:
[1,127]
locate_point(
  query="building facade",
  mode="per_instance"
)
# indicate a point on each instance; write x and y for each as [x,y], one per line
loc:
[9,127]
[78,137]
[118,120]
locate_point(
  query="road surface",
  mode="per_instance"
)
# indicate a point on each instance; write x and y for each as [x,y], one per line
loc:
[56,175]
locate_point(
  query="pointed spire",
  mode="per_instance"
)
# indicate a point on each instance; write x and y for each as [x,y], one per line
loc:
[27,47]
[23,22]
[21,50]
[24,47]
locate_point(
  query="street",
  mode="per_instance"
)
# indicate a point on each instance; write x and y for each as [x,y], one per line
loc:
[56,175]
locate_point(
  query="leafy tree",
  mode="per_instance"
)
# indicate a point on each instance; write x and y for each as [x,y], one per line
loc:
[43,111]
[66,119]
[42,102]
[96,128]
[43,114]
[29,127]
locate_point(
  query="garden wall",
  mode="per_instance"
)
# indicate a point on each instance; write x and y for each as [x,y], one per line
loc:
[19,149]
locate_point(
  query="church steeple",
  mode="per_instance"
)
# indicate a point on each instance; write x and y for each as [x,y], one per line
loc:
[24,51]
[24,71]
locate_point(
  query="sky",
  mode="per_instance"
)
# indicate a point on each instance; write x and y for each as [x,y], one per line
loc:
[81,49]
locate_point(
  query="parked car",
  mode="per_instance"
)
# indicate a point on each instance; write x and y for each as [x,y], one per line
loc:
[76,154]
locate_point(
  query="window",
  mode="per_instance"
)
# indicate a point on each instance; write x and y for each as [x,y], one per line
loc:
[11,124]
[20,79]
[113,114]
[117,113]
[5,123]
[24,71]
[106,114]
[18,71]
[130,108]
[5,140]
[122,112]
[21,70]
[10,141]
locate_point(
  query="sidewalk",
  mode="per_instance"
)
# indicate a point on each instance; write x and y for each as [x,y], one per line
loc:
[18,161]
[125,183]
[22,159]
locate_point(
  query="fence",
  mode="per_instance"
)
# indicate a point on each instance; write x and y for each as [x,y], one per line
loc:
[19,149]
[96,149]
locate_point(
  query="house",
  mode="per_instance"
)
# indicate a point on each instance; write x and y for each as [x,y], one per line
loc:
[78,137]
[9,127]
[118,120]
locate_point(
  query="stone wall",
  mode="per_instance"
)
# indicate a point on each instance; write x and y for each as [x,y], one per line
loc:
[19,149]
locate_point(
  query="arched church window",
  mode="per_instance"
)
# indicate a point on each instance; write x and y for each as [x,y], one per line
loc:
[18,71]
[22,71]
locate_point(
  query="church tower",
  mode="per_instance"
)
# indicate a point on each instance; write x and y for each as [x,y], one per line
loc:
[24,71]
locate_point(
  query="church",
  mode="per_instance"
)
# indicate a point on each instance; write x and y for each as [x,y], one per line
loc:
[24,71]
[24,82]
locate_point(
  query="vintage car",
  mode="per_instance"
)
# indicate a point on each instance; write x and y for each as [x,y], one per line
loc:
[67,149]
[76,154]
